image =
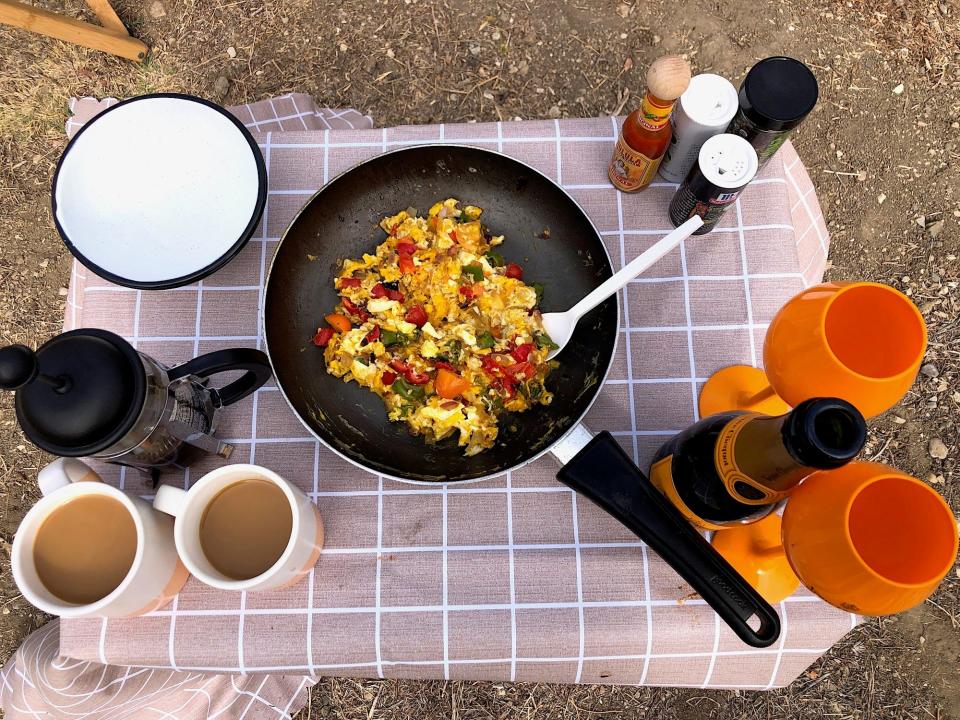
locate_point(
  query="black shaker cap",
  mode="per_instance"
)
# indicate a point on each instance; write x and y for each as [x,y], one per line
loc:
[824,433]
[79,394]
[778,93]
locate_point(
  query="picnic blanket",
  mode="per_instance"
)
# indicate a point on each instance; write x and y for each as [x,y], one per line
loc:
[514,578]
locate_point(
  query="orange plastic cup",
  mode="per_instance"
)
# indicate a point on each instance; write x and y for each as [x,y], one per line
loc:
[860,341]
[869,539]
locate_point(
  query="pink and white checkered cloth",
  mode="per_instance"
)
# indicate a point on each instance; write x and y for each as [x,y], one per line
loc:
[507,579]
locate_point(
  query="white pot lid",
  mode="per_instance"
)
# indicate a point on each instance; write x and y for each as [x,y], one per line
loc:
[159,191]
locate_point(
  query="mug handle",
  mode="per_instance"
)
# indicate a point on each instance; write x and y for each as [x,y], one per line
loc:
[63,471]
[255,362]
[170,500]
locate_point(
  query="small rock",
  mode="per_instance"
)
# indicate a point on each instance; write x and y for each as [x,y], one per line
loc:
[554,111]
[898,89]
[232,51]
[881,198]
[63,292]
[623,10]
[921,221]
[938,450]
[157,10]
[934,479]
[929,370]
[6,611]
[496,35]
[899,420]
[343,47]
[935,229]
[44,263]
[475,50]
[391,54]
[862,176]
[657,39]
[221,86]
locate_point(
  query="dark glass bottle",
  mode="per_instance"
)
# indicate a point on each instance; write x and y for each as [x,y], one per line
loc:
[733,468]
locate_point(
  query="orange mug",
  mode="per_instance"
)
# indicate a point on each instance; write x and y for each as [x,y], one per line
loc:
[869,539]
[860,341]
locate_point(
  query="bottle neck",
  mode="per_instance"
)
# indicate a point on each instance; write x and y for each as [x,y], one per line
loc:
[762,458]
[654,113]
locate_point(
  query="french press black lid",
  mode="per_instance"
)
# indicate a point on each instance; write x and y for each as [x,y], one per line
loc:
[79,393]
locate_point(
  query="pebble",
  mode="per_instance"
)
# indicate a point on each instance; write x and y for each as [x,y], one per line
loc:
[935,229]
[623,10]
[220,87]
[475,50]
[929,370]
[554,111]
[62,292]
[232,51]
[881,198]
[157,10]
[934,479]
[898,89]
[938,450]
[899,420]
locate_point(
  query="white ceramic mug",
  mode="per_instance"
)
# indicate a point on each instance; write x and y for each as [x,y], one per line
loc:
[153,579]
[188,507]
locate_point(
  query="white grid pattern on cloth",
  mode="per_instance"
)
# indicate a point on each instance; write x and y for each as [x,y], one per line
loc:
[516,660]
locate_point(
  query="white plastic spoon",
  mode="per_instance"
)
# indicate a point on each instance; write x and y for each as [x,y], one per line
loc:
[560,325]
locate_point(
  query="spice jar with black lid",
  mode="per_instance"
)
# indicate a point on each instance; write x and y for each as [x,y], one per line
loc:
[775,97]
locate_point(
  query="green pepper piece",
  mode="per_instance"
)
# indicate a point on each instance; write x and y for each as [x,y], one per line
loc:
[486,340]
[543,340]
[475,271]
[538,288]
[463,219]
[408,391]
[391,337]
[495,259]
[455,351]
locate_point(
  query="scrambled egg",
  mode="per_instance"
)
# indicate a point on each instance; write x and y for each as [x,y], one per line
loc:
[439,325]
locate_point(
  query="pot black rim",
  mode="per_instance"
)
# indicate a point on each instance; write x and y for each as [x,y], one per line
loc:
[196,275]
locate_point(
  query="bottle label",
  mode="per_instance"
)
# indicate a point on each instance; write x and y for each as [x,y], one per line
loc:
[653,116]
[631,170]
[661,475]
[729,471]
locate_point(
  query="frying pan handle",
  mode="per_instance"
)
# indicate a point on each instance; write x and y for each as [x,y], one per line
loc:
[255,362]
[604,473]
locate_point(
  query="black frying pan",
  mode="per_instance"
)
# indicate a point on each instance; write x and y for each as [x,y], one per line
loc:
[556,243]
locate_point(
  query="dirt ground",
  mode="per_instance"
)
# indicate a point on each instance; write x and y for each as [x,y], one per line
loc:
[882,148]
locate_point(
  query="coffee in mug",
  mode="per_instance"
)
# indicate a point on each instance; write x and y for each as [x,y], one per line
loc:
[243,527]
[86,549]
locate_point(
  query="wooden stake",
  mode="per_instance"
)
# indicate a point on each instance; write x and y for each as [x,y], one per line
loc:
[108,16]
[112,39]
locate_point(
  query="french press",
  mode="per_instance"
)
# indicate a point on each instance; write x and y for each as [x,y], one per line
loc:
[89,393]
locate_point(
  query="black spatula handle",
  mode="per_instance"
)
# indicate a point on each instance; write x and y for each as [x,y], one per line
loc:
[604,473]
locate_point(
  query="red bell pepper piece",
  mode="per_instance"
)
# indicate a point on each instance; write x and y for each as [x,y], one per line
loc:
[323,337]
[443,365]
[374,334]
[406,248]
[406,264]
[466,291]
[378,291]
[415,378]
[348,283]
[400,366]
[362,314]
[416,315]
[388,377]
[522,352]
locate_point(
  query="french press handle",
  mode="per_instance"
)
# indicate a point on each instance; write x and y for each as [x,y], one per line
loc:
[255,362]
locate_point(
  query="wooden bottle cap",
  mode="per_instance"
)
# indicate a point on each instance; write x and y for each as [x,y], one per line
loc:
[668,77]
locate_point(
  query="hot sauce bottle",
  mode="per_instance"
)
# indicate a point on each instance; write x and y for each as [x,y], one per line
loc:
[646,132]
